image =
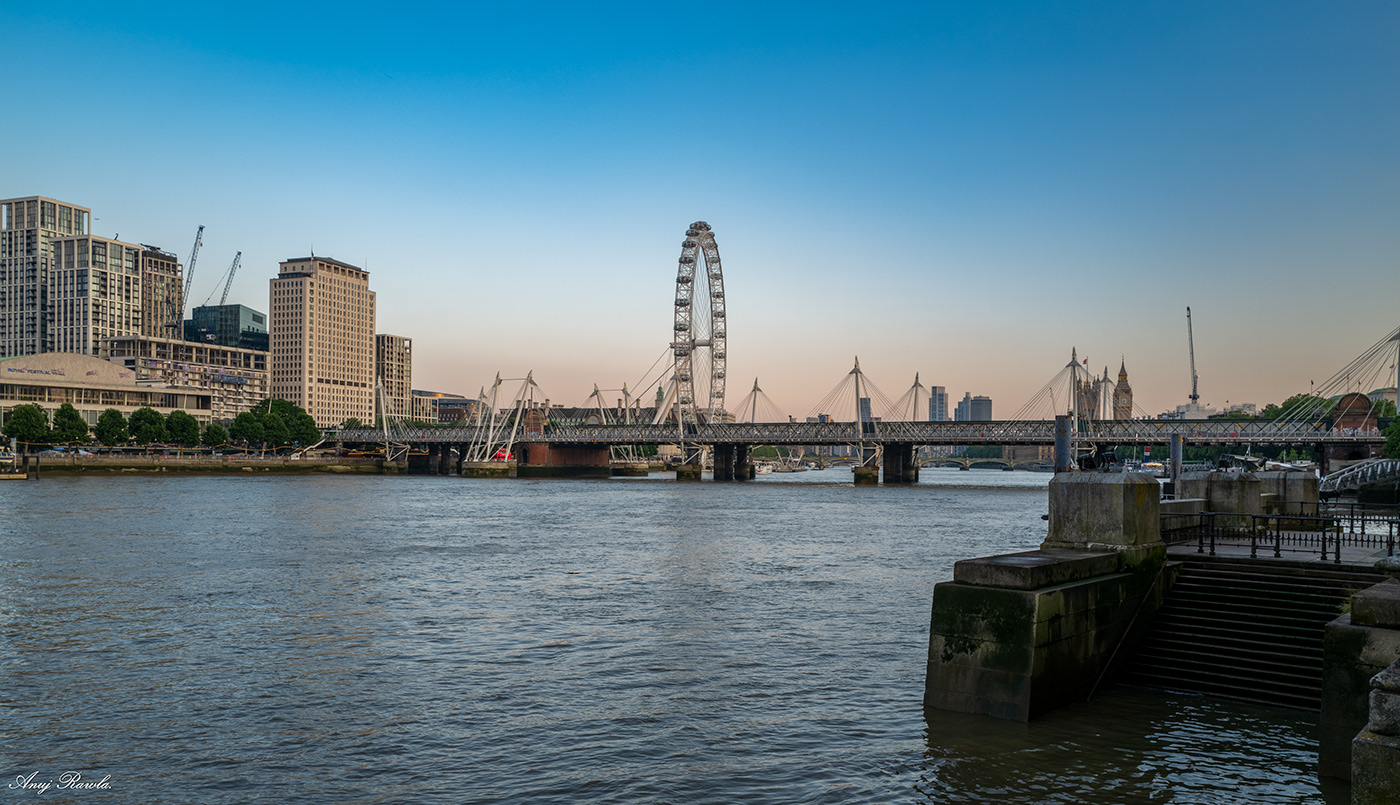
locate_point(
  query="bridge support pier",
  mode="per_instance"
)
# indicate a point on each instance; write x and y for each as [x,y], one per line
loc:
[869,470]
[743,465]
[901,464]
[461,457]
[689,471]
[724,462]
[559,461]
[444,466]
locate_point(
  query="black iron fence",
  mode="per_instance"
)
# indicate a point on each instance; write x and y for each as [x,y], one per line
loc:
[1324,535]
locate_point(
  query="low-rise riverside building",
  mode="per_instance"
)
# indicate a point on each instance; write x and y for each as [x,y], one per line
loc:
[91,385]
[236,379]
[424,405]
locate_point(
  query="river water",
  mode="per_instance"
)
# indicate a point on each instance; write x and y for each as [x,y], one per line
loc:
[438,640]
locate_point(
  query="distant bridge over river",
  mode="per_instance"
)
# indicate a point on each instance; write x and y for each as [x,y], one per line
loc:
[1133,432]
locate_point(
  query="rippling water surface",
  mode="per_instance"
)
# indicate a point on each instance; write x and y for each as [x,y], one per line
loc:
[364,640]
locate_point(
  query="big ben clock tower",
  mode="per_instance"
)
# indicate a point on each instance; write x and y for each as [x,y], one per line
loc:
[1123,394]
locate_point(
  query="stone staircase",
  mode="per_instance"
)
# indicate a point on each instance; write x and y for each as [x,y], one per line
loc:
[1245,629]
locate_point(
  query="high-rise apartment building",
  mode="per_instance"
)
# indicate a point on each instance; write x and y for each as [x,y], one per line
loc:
[94,293]
[937,404]
[393,369]
[322,339]
[28,228]
[162,293]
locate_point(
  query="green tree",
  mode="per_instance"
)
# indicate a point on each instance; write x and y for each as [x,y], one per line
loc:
[215,435]
[112,428]
[68,425]
[275,433]
[303,429]
[247,429]
[27,424]
[147,425]
[1305,406]
[182,428]
[351,423]
[1392,440]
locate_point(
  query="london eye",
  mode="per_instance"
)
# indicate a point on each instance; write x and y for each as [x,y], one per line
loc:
[699,333]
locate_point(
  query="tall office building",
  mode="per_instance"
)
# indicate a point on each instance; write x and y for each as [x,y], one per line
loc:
[393,369]
[322,339]
[162,293]
[963,412]
[28,227]
[937,404]
[980,409]
[94,293]
[865,414]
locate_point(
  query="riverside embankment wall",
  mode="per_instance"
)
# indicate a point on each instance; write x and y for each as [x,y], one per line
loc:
[206,465]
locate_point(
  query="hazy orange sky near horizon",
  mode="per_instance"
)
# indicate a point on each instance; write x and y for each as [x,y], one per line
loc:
[965,192]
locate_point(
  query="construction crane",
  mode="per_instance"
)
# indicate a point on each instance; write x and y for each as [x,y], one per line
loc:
[1191,350]
[232,269]
[189,276]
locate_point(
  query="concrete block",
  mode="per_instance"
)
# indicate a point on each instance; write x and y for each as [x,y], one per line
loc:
[1352,655]
[1385,713]
[1375,769]
[1234,492]
[1016,653]
[1033,569]
[1098,511]
[1378,605]
[1182,506]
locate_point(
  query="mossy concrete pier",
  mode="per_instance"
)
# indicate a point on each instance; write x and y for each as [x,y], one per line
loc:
[1018,635]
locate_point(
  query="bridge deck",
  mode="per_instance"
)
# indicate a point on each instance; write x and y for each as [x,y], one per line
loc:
[1123,432]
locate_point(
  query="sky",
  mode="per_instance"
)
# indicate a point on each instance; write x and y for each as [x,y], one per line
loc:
[960,190]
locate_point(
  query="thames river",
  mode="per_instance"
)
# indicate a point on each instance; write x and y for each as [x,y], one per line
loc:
[327,639]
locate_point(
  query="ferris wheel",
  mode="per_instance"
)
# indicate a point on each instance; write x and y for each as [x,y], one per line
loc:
[699,343]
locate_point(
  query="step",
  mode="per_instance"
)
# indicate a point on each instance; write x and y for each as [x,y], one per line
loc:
[1185,641]
[1187,619]
[1225,690]
[1270,664]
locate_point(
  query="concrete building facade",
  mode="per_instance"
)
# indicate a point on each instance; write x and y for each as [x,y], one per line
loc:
[162,293]
[90,385]
[235,379]
[322,339]
[28,228]
[94,293]
[393,368]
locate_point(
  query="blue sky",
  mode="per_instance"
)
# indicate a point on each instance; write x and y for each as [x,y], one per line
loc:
[960,190]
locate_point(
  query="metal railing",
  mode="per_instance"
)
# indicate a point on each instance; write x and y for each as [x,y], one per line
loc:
[1324,535]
